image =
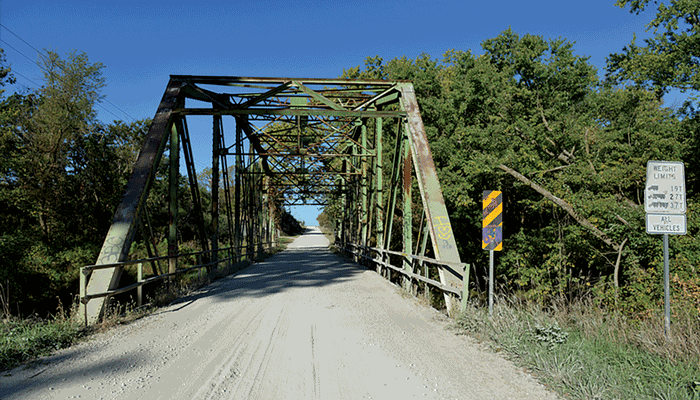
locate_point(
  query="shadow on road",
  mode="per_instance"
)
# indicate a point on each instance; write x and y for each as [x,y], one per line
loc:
[292,268]
[33,378]
[312,266]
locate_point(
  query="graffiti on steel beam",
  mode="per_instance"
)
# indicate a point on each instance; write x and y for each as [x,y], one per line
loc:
[443,228]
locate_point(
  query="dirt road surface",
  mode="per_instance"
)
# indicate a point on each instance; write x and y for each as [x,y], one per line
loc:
[304,324]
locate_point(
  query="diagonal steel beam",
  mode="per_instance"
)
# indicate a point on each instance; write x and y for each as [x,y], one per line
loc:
[120,235]
[193,91]
[444,244]
[316,96]
[266,95]
[383,95]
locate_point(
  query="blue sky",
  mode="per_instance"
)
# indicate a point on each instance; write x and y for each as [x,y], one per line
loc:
[142,43]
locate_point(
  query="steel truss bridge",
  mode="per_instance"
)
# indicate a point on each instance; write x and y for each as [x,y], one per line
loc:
[356,145]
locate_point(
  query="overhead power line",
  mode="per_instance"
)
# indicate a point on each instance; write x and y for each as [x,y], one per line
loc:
[43,55]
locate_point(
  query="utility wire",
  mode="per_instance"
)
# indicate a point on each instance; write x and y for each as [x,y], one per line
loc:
[48,72]
[24,41]
[43,55]
[24,55]
[17,73]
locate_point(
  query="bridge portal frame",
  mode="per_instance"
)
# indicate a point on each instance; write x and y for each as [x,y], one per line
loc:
[327,143]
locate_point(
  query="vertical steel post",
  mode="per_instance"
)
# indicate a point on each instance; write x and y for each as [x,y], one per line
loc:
[237,190]
[423,245]
[250,230]
[465,288]
[667,291]
[378,173]
[356,205]
[215,189]
[172,213]
[259,211]
[395,178]
[139,289]
[365,192]
[344,205]
[343,202]
[407,212]
[83,292]
[197,209]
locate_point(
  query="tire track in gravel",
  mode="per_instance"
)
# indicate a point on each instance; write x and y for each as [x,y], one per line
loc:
[304,324]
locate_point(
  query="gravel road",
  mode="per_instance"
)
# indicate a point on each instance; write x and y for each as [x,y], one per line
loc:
[304,324]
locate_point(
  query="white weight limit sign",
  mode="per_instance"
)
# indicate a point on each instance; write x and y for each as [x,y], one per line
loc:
[665,188]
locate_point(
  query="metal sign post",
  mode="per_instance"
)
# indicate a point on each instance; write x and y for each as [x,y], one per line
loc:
[664,203]
[492,231]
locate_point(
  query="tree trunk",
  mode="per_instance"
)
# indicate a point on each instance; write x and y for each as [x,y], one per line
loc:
[616,275]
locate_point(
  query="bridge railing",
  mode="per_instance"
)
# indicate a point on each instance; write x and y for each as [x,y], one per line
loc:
[380,258]
[233,255]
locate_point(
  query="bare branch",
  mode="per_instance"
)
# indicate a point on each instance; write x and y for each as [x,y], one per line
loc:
[617,267]
[546,124]
[624,221]
[588,152]
[564,205]
[551,170]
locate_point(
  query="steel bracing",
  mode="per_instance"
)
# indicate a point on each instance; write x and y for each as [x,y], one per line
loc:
[356,145]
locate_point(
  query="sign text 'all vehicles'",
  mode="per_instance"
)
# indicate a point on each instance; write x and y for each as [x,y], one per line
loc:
[672,224]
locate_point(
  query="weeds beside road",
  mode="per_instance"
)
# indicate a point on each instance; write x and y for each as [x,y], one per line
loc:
[25,339]
[584,352]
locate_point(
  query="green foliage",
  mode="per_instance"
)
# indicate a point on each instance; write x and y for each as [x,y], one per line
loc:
[25,340]
[61,175]
[569,151]
[668,60]
[550,335]
[587,352]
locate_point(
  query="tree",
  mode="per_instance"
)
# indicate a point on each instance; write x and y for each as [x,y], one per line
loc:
[530,117]
[53,131]
[668,60]
[61,176]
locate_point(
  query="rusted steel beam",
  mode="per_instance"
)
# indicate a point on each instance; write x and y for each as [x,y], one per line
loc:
[215,178]
[120,235]
[388,96]
[229,80]
[364,191]
[407,214]
[379,176]
[293,111]
[174,156]
[289,155]
[266,95]
[444,244]
[394,186]
[197,208]
[314,95]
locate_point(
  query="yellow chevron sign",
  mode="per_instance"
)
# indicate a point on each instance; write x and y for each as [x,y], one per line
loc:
[492,232]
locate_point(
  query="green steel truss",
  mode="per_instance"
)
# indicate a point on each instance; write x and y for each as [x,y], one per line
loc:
[296,141]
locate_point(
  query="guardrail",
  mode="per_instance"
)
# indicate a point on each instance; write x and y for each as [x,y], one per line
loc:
[382,257]
[87,270]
